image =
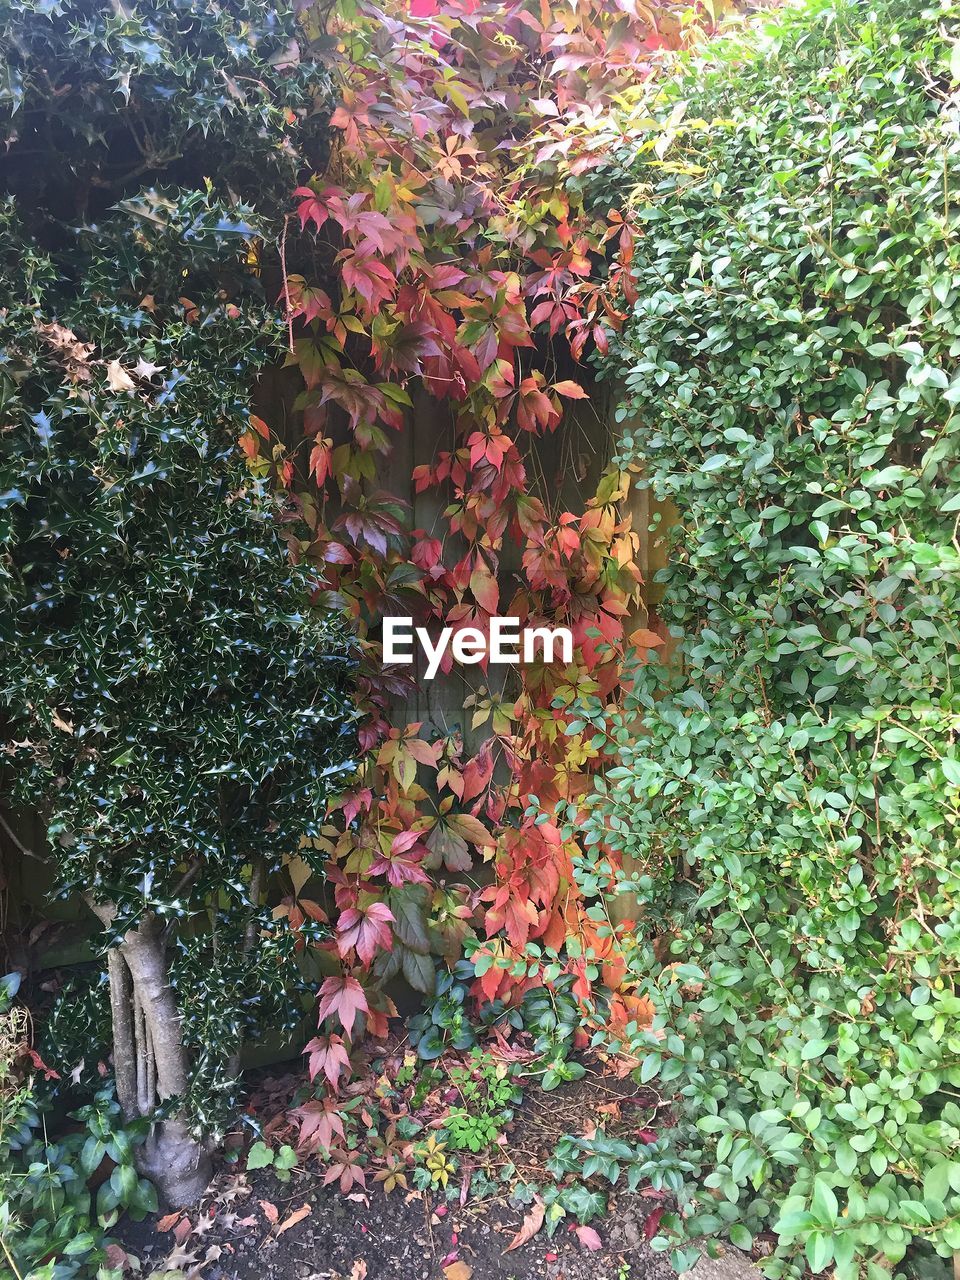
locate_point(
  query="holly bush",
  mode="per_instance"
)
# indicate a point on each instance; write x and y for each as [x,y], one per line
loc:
[172,703]
[787,789]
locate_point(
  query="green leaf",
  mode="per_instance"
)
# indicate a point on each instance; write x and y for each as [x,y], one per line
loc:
[260,1156]
[824,1205]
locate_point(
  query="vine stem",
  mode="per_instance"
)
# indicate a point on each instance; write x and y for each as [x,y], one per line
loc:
[286,286]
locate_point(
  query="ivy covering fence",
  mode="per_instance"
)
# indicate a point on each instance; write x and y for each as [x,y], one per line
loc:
[788,810]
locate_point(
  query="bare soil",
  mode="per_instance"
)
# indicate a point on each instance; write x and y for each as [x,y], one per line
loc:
[250,1226]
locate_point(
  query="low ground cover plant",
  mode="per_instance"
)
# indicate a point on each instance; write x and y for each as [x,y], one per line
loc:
[60,1193]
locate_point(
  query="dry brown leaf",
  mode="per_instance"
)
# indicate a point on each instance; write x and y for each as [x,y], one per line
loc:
[169,1222]
[299,872]
[182,1230]
[68,349]
[179,1259]
[270,1212]
[531,1225]
[458,1271]
[118,379]
[359,1270]
[298,1215]
[146,369]
[117,1258]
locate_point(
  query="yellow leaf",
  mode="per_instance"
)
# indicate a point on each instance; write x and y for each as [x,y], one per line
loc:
[300,873]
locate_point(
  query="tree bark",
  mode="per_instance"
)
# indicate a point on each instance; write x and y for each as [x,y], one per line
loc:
[151,1061]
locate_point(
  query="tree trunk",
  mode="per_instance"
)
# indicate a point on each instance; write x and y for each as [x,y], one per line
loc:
[150,1060]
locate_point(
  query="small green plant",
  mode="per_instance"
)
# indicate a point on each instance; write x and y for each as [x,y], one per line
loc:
[53,1225]
[559,1071]
[488,1091]
[447,1022]
[435,1166]
[551,1015]
[280,1159]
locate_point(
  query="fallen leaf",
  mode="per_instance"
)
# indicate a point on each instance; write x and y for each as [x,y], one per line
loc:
[117,377]
[169,1222]
[458,1271]
[117,1258]
[531,1225]
[359,1270]
[270,1212]
[652,1223]
[589,1238]
[298,1215]
[182,1230]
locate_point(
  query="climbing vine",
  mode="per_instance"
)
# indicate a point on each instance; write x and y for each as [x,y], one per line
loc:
[448,254]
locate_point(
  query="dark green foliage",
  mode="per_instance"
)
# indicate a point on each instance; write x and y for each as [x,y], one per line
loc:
[177,697]
[47,1203]
[549,1014]
[99,100]
[789,813]
[172,703]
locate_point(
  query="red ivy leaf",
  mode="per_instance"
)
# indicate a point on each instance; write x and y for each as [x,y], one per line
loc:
[343,996]
[366,931]
[329,1055]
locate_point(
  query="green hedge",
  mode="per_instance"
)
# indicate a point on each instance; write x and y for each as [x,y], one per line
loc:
[789,810]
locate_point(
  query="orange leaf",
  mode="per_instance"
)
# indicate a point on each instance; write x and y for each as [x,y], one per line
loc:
[642,638]
[531,1225]
[457,1271]
[270,1212]
[572,390]
[298,1215]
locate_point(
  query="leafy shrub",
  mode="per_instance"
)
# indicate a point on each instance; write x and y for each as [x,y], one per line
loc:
[173,705]
[788,811]
[549,1013]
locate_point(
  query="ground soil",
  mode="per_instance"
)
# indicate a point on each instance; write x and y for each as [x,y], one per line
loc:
[407,1235]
